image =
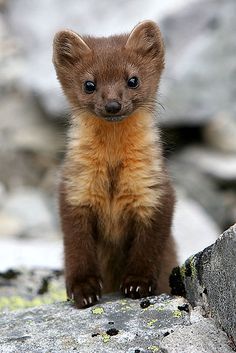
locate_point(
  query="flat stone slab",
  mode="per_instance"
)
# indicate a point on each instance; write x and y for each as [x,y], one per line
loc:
[160,324]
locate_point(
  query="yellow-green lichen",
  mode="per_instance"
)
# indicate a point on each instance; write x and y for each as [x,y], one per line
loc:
[98,311]
[153,348]
[182,272]
[15,302]
[192,266]
[105,338]
[160,308]
[150,323]
[177,313]
[123,302]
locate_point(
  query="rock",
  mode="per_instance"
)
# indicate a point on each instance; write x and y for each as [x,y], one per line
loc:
[220,133]
[36,36]
[29,206]
[29,288]
[201,66]
[10,226]
[198,186]
[17,253]
[29,231]
[114,325]
[30,144]
[2,193]
[193,228]
[209,279]
[11,63]
[220,166]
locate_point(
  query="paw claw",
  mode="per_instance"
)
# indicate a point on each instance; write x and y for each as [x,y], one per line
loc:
[138,286]
[85,302]
[84,293]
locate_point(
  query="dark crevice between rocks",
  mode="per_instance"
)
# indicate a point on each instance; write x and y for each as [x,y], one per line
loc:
[19,339]
[44,285]
[176,138]
[10,274]
[176,283]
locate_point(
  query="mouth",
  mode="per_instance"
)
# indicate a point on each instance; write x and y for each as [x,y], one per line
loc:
[114,118]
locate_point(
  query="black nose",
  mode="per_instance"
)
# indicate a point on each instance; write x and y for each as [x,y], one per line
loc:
[113,107]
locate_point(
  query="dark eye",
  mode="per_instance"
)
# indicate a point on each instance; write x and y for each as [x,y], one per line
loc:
[89,87]
[133,82]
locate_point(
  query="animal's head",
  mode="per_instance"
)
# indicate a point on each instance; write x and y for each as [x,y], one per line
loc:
[110,77]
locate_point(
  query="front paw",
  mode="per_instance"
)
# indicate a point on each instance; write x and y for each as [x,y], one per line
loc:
[138,286]
[84,293]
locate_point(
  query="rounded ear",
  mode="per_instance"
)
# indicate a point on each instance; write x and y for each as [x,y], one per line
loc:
[68,47]
[146,38]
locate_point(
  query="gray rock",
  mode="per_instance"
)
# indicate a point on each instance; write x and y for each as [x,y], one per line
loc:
[220,133]
[17,253]
[30,144]
[24,288]
[36,36]
[2,194]
[193,228]
[115,325]
[209,278]
[10,226]
[11,62]
[201,66]
[30,207]
[220,166]
[201,188]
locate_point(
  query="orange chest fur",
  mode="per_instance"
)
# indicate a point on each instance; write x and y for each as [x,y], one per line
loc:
[115,172]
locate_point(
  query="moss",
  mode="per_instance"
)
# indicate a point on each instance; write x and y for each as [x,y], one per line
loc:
[123,302]
[15,302]
[98,311]
[153,348]
[177,313]
[193,267]
[182,272]
[105,338]
[150,323]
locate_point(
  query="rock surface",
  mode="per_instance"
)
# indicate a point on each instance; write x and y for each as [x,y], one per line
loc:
[36,36]
[23,288]
[30,253]
[218,165]
[201,50]
[115,325]
[209,280]
[194,184]
[156,324]
[193,228]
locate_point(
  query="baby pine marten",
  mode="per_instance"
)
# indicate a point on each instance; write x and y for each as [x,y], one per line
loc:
[116,200]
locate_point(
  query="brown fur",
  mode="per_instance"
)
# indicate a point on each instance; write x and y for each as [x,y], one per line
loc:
[116,201]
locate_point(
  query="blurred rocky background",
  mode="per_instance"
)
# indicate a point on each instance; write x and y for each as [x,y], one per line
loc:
[197,117]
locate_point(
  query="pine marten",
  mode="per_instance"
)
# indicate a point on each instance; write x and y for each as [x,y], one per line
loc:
[116,200]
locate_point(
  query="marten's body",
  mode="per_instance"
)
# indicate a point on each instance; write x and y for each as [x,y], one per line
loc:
[116,201]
